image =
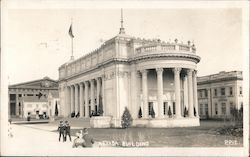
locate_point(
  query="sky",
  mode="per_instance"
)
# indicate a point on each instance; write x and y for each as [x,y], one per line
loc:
[38,39]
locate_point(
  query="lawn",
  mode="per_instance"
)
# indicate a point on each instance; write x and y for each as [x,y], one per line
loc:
[205,135]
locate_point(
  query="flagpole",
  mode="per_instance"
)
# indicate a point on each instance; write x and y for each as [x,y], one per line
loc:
[72,45]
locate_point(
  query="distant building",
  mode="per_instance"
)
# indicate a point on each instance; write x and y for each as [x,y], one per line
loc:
[219,93]
[33,97]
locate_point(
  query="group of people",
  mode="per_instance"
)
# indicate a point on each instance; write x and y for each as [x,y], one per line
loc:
[82,137]
[64,131]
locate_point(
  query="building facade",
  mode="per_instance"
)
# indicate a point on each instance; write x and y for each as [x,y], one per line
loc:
[218,94]
[32,97]
[140,74]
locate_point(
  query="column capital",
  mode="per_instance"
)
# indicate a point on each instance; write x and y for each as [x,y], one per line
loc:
[144,71]
[75,85]
[98,78]
[176,70]
[81,84]
[194,72]
[86,83]
[159,70]
[190,71]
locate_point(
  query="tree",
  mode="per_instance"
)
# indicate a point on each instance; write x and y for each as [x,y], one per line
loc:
[185,112]
[126,118]
[169,111]
[56,110]
[140,113]
[152,112]
[100,109]
[194,112]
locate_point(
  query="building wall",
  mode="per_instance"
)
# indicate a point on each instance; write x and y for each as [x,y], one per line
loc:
[208,99]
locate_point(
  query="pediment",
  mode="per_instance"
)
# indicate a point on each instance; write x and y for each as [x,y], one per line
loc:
[42,83]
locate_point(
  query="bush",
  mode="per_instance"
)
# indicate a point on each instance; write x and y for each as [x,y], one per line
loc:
[100,109]
[126,118]
[140,113]
[152,112]
[169,112]
[185,112]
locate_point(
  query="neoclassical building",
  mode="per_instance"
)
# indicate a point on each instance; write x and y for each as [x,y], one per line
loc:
[33,97]
[219,94]
[143,75]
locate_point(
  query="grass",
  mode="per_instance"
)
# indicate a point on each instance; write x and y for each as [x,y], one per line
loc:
[202,136]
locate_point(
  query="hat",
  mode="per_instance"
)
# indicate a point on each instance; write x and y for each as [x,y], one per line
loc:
[85,130]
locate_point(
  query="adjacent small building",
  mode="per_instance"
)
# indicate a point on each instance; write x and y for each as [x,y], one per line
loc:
[37,97]
[219,93]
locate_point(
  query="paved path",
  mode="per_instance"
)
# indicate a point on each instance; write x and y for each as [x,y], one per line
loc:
[28,140]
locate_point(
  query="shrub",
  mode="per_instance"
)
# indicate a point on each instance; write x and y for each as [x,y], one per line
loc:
[100,109]
[185,112]
[152,112]
[169,111]
[140,113]
[126,118]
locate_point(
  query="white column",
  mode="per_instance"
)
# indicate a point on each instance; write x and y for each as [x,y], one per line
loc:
[72,107]
[98,86]
[177,92]
[76,99]
[67,105]
[190,94]
[103,96]
[92,98]
[86,92]
[81,99]
[160,91]
[145,93]
[185,93]
[17,105]
[195,93]
[208,102]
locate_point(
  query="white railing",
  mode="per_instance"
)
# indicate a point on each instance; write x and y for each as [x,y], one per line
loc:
[165,48]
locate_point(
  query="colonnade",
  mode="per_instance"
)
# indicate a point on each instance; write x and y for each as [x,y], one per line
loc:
[189,88]
[84,97]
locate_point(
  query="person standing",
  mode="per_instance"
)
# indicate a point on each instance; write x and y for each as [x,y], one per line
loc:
[61,130]
[67,130]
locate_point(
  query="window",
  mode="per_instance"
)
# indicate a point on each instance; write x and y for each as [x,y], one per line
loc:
[240,90]
[205,93]
[201,109]
[231,108]
[215,92]
[231,91]
[206,109]
[222,91]
[200,93]
[165,107]
[223,108]
[216,108]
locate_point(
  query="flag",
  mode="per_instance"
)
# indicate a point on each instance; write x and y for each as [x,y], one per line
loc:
[70,32]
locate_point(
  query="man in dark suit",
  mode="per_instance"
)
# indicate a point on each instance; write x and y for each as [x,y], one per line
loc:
[89,141]
[61,130]
[67,131]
